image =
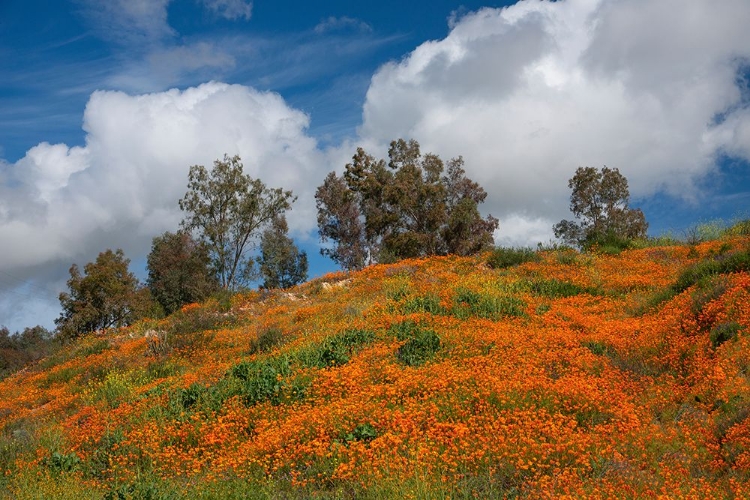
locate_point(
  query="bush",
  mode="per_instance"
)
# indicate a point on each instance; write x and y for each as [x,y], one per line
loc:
[427,303]
[267,339]
[59,462]
[741,228]
[506,257]
[362,432]
[724,332]
[705,269]
[261,380]
[336,350]
[469,303]
[420,346]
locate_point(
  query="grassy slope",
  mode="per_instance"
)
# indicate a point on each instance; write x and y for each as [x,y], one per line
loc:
[589,375]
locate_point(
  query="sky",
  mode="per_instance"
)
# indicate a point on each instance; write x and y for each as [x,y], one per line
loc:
[104,106]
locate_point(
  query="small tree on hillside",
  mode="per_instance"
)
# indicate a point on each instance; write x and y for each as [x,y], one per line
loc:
[600,203]
[281,263]
[106,295]
[229,209]
[179,271]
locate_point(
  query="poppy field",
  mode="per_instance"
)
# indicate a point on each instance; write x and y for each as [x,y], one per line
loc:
[580,375]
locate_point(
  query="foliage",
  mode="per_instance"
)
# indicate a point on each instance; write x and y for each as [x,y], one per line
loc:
[261,380]
[281,263]
[21,349]
[106,295]
[267,339]
[340,221]
[721,264]
[420,345]
[378,212]
[723,332]
[229,209]
[503,257]
[179,271]
[336,350]
[469,303]
[600,203]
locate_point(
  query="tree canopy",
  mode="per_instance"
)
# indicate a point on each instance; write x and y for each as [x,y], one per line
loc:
[407,207]
[179,271]
[106,295]
[280,262]
[229,210]
[599,201]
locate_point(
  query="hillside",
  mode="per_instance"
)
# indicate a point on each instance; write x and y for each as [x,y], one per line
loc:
[588,375]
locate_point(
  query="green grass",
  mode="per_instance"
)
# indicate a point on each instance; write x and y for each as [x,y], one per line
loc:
[468,303]
[503,257]
[421,344]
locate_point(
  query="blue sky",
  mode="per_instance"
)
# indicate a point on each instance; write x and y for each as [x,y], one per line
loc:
[105,105]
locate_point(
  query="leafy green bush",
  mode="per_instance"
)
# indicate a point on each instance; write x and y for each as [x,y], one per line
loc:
[60,462]
[420,346]
[721,264]
[741,228]
[503,257]
[267,339]
[336,350]
[261,380]
[427,303]
[469,303]
[362,432]
[724,332]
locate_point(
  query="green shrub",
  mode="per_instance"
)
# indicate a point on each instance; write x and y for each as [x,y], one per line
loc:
[60,462]
[362,432]
[261,380]
[469,303]
[420,346]
[427,303]
[597,348]
[335,350]
[267,339]
[610,243]
[741,228]
[503,257]
[724,332]
[721,264]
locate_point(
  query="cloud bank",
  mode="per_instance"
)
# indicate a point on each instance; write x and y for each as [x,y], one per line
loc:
[530,92]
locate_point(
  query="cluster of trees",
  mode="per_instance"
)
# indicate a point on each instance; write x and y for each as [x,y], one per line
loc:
[19,349]
[410,206]
[226,212]
[377,211]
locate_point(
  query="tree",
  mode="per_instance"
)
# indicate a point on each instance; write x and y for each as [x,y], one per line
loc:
[340,221]
[465,232]
[179,271]
[600,203]
[106,295]
[230,209]
[281,263]
[378,212]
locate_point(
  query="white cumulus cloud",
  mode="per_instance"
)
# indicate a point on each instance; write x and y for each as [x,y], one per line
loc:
[530,92]
[61,204]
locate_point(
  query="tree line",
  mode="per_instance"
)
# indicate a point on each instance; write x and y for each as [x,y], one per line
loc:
[235,233]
